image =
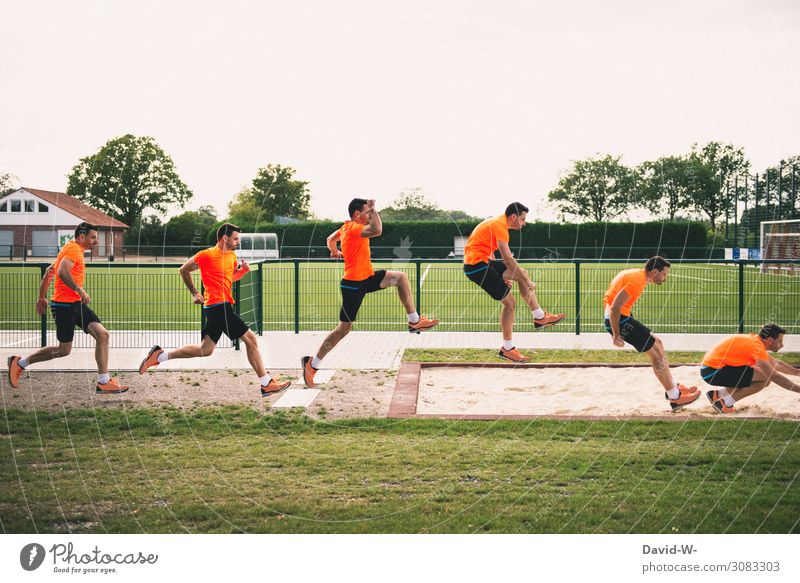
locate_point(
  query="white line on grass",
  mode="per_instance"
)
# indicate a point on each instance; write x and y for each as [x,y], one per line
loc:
[424,275]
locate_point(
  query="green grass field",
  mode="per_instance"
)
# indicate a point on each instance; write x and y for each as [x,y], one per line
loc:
[698,298]
[234,470]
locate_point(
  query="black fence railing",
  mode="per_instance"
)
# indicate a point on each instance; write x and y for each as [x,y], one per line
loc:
[145,304]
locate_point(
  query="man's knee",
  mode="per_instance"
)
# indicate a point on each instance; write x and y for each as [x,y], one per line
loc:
[344,328]
[207,346]
[100,334]
[249,338]
[64,349]
[509,301]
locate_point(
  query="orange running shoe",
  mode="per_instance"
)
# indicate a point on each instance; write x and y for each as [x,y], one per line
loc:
[151,359]
[14,371]
[308,372]
[423,324]
[548,320]
[718,403]
[682,400]
[685,389]
[513,355]
[275,387]
[110,388]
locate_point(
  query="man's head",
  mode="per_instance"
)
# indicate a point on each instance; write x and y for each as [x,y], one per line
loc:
[86,236]
[772,337]
[228,236]
[516,215]
[359,212]
[657,269]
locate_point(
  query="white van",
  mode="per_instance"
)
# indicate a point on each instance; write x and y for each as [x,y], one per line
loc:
[257,246]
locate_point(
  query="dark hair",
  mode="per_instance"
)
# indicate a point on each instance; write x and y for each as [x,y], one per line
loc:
[83,229]
[356,205]
[226,230]
[516,208]
[656,262]
[771,331]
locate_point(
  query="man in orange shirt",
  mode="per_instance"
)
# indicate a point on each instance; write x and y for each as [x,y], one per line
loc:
[360,279]
[494,275]
[622,293]
[741,367]
[70,308]
[218,271]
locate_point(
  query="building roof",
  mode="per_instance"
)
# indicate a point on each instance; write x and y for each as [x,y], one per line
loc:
[79,209]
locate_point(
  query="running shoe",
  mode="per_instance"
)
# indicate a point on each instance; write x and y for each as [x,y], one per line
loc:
[423,324]
[548,320]
[685,389]
[308,372]
[110,388]
[275,387]
[513,355]
[151,359]
[14,371]
[682,400]
[718,403]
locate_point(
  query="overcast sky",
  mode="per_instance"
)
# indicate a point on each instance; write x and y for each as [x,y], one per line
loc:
[478,103]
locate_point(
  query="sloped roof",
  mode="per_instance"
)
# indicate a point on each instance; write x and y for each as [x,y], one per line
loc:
[79,209]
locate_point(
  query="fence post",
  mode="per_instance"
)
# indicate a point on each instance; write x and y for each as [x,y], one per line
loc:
[260,303]
[297,296]
[202,310]
[237,298]
[43,323]
[419,288]
[741,297]
[577,298]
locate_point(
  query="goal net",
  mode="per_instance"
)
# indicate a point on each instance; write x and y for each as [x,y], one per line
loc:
[780,244]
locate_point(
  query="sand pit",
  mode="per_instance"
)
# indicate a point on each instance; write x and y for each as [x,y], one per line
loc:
[630,392]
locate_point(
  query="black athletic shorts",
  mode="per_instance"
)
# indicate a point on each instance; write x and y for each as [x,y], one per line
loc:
[633,332]
[353,293]
[737,377]
[220,318]
[489,277]
[68,316]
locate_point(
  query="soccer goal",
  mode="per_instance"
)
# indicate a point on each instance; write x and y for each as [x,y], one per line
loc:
[780,240]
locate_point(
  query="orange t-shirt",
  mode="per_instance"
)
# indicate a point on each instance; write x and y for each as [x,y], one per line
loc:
[216,271]
[482,242]
[357,256]
[736,350]
[633,281]
[62,293]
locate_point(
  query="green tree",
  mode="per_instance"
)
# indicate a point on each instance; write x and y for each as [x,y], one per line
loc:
[412,204]
[127,176]
[667,184]
[717,164]
[274,193]
[190,227]
[8,183]
[597,189]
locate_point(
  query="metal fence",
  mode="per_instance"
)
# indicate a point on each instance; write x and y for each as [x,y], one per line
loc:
[148,304]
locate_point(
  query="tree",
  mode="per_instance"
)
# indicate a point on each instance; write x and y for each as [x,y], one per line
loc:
[127,176]
[667,183]
[598,188]
[716,164]
[190,227]
[8,183]
[412,204]
[274,193]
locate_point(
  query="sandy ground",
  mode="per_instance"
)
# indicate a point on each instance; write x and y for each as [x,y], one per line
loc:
[361,393]
[625,392]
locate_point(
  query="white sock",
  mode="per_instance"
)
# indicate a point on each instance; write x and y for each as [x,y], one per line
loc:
[316,362]
[508,344]
[23,362]
[726,396]
[538,313]
[413,318]
[265,380]
[674,393]
[163,356]
[103,378]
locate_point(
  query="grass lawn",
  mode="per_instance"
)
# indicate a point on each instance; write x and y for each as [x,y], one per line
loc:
[232,470]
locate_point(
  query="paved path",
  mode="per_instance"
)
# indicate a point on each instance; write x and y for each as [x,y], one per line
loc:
[363,350]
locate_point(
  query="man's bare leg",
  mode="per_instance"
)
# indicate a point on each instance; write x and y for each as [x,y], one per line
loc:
[332,339]
[50,352]
[101,337]
[206,348]
[400,280]
[253,355]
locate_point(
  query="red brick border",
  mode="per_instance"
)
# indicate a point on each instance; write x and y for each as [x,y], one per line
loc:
[406,395]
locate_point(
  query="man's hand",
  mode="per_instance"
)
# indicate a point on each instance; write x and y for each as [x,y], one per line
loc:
[370,204]
[336,254]
[618,341]
[85,298]
[244,266]
[41,306]
[198,298]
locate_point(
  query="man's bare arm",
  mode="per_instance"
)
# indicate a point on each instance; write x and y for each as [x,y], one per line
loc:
[65,274]
[375,226]
[334,238]
[47,278]
[186,275]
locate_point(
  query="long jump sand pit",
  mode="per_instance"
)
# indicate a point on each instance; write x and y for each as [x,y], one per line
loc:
[577,392]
